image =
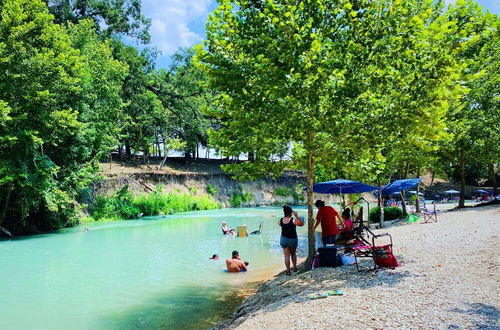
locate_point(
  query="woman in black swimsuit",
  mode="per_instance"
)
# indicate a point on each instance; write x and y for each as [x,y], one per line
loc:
[288,240]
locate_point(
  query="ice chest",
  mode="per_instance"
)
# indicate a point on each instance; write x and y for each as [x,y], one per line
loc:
[328,257]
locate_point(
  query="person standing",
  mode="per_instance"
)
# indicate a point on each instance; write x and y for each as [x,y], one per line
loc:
[288,239]
[327,216]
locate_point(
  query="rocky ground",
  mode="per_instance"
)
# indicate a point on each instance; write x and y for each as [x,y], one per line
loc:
[448,278]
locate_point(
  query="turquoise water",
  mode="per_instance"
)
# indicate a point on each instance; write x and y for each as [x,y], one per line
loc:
[153,273]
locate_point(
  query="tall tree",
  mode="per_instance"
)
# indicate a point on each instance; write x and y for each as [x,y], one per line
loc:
[182,91]
[473,120]
[112,16]
[323,75]
[51,94]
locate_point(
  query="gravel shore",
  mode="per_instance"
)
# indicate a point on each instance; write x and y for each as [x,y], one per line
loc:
[448,278]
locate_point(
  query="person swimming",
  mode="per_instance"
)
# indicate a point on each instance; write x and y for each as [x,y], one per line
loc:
[215,257]
[235,264]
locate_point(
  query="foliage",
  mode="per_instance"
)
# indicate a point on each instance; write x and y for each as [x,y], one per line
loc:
[337,79]
[282,191]
[180,91]
[58,96]
[390,213]
[211,189]
[473,120]
[118,206]
[238,197]
[153,203]
[114,17]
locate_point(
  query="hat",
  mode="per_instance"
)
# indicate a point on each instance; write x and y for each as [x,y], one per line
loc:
[235,252]
[223,222]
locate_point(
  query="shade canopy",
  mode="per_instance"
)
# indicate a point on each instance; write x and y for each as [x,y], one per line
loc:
[452,192]
[399,185]
[482,191]
[414,192]
[341,186]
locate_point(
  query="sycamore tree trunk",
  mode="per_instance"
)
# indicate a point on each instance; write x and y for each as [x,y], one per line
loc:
[310,215]
[461,202]
[493,173]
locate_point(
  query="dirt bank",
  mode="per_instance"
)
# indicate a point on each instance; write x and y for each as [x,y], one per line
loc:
[449,278]
[202,177]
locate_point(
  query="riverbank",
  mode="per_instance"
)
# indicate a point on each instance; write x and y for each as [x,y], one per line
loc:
[448,279]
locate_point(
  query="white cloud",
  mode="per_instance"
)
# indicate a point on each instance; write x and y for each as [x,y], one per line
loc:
[172,22]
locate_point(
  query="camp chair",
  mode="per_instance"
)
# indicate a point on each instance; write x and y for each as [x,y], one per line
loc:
[259,231]
[242,231]
[380,254]
[430,215]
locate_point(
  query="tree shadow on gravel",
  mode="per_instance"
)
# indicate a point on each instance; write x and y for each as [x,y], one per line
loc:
[485,316]
[285,290]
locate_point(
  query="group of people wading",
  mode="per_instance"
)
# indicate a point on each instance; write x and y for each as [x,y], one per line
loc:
[327,216]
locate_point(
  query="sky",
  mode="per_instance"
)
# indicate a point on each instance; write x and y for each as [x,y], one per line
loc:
[181,23]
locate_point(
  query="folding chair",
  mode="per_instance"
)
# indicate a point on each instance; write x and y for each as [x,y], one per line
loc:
[430,215]
[259,231]
[380,254]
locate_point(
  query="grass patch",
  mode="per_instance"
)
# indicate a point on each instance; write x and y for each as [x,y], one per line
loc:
[123,206]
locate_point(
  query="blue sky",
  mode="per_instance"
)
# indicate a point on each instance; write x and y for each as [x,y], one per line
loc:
[181,23]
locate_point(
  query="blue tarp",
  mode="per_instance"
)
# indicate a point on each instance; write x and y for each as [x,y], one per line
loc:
[341,186]
[399,185]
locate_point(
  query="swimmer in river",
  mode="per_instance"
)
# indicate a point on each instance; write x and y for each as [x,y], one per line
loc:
[235,264]
[227,231]
[215,257]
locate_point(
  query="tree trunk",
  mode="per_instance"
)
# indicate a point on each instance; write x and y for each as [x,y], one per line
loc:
[251,156]
[120,152]
[128,151]
[382,209]
[494,179]
[403,204]
[110,160]
[6,203]
[417,201]
[310,215]
[461,202]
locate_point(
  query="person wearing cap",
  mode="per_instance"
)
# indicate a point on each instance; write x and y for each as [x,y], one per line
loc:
[226,230]
[235,264]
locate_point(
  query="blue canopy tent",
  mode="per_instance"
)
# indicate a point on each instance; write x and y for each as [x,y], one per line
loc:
[399,185]
[341,186]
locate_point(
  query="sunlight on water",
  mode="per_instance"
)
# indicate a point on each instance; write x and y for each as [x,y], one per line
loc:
[152,273]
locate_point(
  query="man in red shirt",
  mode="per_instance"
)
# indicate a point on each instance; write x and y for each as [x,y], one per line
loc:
[327,216]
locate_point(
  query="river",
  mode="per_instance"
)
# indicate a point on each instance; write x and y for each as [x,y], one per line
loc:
[153,273]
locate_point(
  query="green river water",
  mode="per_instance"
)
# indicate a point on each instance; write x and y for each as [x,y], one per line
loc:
[153,273]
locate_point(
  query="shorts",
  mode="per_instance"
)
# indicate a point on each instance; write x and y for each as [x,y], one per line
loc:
[328,240]
[289,242]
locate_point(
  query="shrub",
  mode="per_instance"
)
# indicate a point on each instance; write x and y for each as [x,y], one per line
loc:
[193,190]
[297,193]
[118,206]
[390,213]
[123,206]
[211,189]
[282,191]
